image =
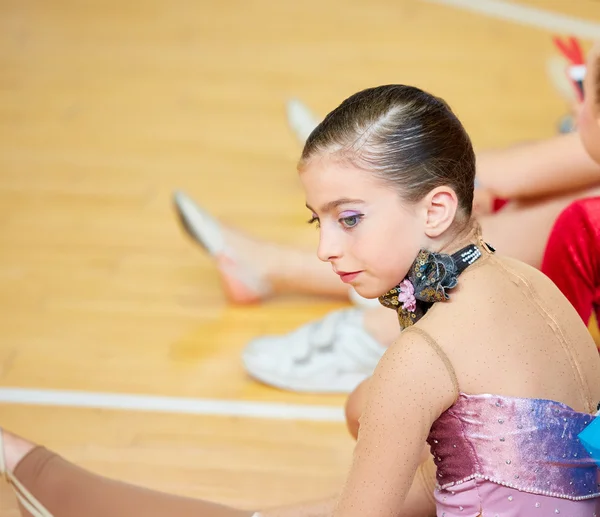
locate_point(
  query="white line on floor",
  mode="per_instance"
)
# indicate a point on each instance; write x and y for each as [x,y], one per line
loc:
[554,22]
[213,407]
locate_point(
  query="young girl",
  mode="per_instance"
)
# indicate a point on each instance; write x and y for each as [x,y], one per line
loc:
[541,179]
[388,177]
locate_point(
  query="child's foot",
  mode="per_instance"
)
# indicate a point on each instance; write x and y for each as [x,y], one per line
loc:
[12,450]
[241,260]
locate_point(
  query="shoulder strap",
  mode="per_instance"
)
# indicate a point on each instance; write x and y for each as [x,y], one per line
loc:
[438,350]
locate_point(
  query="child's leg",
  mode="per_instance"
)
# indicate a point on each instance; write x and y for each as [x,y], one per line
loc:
[572,256]
[250,268]
[69,491]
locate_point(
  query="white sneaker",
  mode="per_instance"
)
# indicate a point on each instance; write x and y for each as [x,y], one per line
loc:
[301,119]
[331,355]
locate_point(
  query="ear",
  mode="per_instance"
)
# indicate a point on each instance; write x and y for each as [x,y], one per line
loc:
[441,205]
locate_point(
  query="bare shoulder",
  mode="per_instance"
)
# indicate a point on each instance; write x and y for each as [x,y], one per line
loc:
[531,282]
[417,363]
[503,323]
[496,292]
[509,276]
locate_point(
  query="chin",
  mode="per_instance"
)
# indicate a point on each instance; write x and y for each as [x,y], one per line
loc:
[370,292]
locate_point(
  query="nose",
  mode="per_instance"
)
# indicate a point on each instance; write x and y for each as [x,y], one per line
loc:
[329,245]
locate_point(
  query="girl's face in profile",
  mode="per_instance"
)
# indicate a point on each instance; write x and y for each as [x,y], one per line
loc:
[368,234]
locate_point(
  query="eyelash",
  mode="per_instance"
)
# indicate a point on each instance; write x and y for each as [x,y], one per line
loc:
[315,220]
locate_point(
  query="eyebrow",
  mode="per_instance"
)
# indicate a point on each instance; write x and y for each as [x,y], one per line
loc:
[334,204]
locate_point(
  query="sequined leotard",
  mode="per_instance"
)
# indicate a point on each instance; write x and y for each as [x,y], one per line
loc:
[505,456]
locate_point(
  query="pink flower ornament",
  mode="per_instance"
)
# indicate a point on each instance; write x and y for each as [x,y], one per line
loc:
[406,295]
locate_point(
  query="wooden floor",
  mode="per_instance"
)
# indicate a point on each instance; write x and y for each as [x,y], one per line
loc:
[105,108]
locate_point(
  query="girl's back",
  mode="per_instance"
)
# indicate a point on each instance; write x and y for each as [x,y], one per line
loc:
[508,330]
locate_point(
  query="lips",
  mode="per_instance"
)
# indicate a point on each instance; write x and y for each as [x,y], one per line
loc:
[347,277]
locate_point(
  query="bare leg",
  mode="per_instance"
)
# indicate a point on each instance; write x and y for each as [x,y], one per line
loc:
[284,268]
[295,270]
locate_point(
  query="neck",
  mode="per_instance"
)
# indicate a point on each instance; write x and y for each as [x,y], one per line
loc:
[457,238]
[434,272]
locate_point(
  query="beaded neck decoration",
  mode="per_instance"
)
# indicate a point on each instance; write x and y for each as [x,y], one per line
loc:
[428,280]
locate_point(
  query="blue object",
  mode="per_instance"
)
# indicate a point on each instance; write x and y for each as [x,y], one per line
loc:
[590,438]
[566,125]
